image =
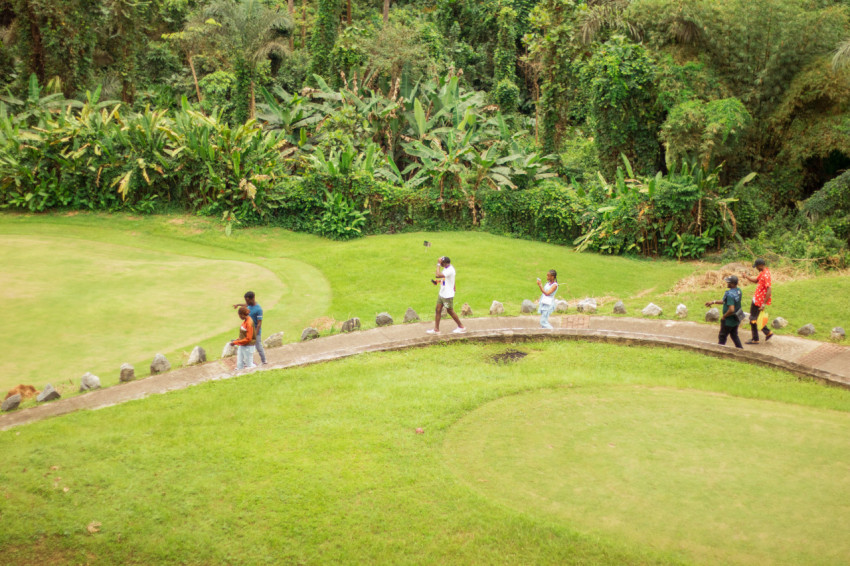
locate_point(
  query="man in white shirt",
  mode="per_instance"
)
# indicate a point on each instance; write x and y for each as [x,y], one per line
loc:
[445,278]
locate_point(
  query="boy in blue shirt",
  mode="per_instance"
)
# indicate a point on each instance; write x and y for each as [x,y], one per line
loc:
[729,319]
[255,311]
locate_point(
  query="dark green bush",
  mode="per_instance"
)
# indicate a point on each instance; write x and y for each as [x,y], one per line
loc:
[551,212]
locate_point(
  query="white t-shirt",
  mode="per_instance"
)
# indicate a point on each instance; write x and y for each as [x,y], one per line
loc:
[447,289]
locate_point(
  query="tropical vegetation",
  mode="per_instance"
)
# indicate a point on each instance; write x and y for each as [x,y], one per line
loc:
[654,127]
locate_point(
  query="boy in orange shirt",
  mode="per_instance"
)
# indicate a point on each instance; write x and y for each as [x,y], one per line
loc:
[246,341]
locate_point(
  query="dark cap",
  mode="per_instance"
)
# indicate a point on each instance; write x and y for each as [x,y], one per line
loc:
[732,279]
[759,262]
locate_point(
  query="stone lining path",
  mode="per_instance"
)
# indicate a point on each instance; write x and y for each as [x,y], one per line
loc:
[825,362]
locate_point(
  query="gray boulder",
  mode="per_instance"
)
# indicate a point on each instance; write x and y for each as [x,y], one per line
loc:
[682,311]
[497,308]
[229,350]
[652,310]
[587,306]
[713,315]
[779,323]
[11,403]
[160,364]
[128,373]
[466,310]
[837,333]
[89,382]
[806,330]
[198,356]
[384,319]
[527,307]
[561,306]
[619,308]
[274,341]
[351,325]
[49,394]
[309,334]
[411,316]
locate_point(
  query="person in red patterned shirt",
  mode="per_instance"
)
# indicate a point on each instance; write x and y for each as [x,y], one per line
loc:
[761,298]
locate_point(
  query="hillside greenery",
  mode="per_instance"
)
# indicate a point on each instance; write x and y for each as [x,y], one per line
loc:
[648,127]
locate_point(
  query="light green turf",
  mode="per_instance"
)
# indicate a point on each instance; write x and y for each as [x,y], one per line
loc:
[316,277]
[83,303]
[322,464]
[320,278]
[722,479]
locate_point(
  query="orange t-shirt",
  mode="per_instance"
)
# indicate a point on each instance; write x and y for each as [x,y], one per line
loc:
[246,333]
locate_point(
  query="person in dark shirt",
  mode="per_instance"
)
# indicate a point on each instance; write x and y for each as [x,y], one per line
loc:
[731,306]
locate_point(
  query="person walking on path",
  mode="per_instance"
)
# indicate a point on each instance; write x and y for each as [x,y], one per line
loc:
[445,278]
[547,299]
[246,340]
[761,299]
[256,313]
[729,321]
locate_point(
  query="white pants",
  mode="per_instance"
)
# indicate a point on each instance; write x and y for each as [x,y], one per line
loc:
[245,357]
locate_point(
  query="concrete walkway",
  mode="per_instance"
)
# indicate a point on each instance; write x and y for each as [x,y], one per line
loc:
[825,362]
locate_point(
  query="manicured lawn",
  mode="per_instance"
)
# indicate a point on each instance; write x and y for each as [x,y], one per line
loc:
[99,290]
[85,303]
[322,465]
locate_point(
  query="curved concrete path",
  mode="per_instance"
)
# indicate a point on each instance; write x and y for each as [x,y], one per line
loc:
[825,362]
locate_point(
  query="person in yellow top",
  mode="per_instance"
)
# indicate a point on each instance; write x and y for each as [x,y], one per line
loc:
[246,341]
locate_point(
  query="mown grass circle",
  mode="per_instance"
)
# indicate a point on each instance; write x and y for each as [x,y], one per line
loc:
[718,479]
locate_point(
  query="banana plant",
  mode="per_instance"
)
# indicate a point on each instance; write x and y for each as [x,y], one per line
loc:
[35,109]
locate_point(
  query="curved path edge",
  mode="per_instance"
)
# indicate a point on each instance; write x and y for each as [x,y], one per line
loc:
[826,363]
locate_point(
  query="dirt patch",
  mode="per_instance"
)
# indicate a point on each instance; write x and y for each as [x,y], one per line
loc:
[644,293]
[599,301]
[713,278]
[508,356]
[325,323]
[44,552]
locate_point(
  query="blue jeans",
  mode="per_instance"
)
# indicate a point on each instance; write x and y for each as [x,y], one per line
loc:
[545,311]
[244,357]
[260,349]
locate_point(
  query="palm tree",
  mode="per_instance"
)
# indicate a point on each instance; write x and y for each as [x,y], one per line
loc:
[250,32]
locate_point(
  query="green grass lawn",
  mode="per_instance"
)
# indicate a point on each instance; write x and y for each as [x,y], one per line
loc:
[98,290]
[321,465]
[84,302]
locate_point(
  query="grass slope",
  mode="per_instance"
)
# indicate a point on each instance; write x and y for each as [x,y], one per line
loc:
[316,278]
[82,302]
[321,465]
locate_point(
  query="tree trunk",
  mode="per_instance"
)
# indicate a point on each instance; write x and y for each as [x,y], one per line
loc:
[38,59]
[291,6]
[386,11]
[195,77]
[253,107]
[349,12]
[303,24]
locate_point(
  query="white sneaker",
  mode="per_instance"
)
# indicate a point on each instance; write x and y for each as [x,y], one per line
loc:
[432,331]
[459,331]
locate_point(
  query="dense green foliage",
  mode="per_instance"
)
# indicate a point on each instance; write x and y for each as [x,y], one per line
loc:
[749,87]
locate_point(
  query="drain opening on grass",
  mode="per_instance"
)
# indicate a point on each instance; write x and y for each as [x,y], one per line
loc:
[508,356]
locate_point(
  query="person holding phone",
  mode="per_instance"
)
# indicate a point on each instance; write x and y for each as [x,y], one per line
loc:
[547,299]
[445,278]
[729,320]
